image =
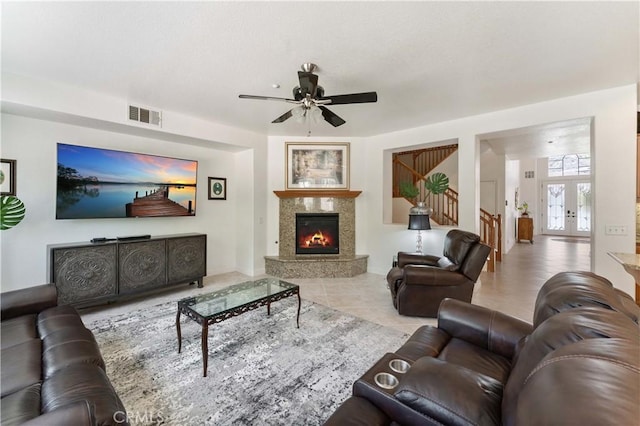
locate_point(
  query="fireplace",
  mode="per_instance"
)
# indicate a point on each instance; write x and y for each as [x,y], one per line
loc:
[289,264]
[317,233]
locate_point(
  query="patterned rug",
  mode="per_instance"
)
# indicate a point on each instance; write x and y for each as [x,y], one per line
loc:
[262,369]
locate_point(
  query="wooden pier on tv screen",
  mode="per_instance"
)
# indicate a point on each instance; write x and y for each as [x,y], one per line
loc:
[157,203]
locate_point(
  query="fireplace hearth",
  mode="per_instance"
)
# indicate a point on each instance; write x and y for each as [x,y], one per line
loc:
[317,233]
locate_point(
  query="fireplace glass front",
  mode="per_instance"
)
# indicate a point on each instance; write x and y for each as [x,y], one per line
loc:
[317,233]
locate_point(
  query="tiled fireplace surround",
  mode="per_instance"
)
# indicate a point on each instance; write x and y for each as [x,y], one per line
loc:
[290,265]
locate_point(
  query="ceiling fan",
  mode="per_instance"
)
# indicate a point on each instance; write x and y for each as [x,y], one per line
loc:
[311,101]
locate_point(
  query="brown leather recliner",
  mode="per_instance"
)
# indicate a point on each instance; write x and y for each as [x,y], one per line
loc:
[420,281]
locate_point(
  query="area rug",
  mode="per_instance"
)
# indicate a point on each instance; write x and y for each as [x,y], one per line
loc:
[262,369]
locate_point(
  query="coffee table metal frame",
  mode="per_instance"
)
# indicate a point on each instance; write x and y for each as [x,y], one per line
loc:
[221,312]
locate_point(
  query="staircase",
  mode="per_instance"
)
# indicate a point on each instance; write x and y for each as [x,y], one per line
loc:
[414,166]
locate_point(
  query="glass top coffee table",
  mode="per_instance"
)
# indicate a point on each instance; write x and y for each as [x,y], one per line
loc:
[232,301]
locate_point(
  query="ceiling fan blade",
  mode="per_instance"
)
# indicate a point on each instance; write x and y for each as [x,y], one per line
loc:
[283,117]
[308,83]
[331,118]
[352,98]
[267,98]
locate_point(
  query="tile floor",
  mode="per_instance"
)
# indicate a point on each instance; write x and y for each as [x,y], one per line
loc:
[511,289]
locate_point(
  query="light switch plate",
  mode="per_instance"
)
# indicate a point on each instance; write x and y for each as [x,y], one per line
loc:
[615,230]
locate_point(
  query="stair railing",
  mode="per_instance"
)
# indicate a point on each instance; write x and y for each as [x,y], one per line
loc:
[491,235]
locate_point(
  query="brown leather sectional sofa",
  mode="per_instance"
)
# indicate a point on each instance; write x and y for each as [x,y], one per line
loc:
[52,369]
[577,364]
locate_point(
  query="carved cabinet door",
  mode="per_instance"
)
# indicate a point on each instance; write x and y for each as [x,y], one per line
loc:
[141,265]
[85,273]
[186,258]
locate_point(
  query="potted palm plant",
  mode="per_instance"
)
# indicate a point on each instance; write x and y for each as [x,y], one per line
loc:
[436,183]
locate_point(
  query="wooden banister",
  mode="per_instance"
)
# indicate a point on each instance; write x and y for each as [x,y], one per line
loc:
[491,235]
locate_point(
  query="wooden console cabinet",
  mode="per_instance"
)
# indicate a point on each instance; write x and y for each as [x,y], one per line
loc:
[525,229]
[88,274]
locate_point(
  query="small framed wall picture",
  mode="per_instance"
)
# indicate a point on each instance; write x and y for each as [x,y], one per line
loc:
[217,188]
[7,177]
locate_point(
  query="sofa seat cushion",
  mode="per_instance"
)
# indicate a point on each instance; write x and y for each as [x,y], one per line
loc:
[18,330]
[57,318]
[21,366]
[425,341]
[69,346]
[80,382]
[76,414]
[21,406]
[472,357]
[449,394]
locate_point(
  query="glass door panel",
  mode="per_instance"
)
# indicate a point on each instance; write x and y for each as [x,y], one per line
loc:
[567,208]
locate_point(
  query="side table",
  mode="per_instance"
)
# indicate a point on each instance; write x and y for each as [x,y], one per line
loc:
[525,229]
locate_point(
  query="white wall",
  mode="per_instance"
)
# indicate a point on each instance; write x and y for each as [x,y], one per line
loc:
[511,173]
[33,144]
[614,167]
[37,114]
[529,191]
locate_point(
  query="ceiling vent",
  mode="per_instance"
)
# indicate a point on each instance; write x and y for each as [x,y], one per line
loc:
[145,115]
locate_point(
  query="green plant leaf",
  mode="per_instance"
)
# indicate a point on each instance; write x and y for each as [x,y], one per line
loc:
[437,183]
[12,211]
[409,190]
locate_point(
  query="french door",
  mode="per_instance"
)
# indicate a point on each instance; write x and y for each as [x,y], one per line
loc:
[567,208]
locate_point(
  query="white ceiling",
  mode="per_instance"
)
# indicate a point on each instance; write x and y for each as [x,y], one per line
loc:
[428,61]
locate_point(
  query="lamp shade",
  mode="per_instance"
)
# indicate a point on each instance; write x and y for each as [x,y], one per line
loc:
[419,222]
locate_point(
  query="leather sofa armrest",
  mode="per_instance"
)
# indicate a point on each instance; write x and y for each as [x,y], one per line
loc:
[433,388]
[483,327]
[406,258]
[77,413]
[31,300]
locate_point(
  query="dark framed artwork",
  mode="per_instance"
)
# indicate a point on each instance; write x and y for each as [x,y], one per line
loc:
[7,177]
[217,188]
[317,165]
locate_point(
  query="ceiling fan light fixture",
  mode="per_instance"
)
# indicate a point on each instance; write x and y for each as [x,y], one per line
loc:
[311,101]
[299,113]
[316,114]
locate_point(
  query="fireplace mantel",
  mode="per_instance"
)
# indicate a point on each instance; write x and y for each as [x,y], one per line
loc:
[317,193]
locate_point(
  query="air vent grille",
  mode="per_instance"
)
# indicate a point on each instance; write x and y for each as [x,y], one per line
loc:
[145,115]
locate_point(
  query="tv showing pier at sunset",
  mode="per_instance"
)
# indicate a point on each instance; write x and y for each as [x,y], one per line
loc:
[104,183]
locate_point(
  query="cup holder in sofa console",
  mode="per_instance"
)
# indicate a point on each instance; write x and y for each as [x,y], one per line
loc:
[386,380]
[399,365]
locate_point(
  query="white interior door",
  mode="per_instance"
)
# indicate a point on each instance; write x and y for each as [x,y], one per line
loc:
[567,208]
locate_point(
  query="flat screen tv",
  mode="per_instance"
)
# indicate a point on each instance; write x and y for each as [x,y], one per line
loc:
[103,183]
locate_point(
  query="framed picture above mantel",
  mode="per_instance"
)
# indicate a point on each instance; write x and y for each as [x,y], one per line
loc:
[317,166]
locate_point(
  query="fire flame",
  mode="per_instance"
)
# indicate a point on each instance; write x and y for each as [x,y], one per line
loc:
[317,240]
